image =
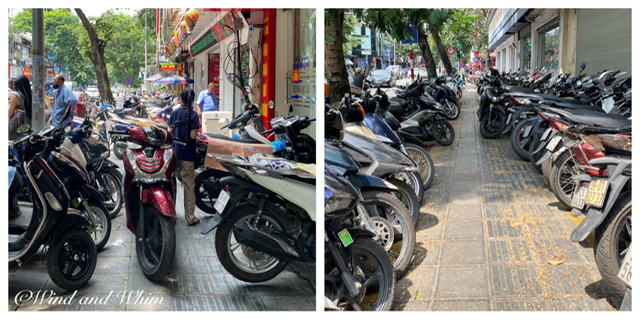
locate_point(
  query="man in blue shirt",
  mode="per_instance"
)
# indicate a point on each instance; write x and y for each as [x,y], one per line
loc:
[207,100]
[63,104]
[186,131]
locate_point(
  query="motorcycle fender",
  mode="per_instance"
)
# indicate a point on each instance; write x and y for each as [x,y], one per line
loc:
[407,138]
[498,108]
[160,199]
[595,216]
[369,182]
[544,158]
[241,188]
[108,164]
[70,220]
[90,193]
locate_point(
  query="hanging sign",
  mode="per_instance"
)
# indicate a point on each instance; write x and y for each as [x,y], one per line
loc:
[168,66]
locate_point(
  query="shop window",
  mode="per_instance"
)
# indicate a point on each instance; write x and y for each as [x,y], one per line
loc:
[549,47]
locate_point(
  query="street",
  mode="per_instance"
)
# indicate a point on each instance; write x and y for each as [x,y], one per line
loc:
[491,237]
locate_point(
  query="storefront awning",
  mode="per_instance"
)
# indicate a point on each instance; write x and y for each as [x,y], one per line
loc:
[512,22]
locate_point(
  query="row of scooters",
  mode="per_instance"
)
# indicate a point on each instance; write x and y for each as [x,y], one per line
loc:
[581,143]
[376,174]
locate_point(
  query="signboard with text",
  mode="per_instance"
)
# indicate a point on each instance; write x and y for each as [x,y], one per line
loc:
[168,66]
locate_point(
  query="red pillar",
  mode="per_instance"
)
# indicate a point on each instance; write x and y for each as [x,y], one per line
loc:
[268,65]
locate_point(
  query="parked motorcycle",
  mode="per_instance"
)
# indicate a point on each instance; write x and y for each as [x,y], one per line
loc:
[606,202]
[71,254]
[72,171]
[358,272]
[150,192]
[267,216]
[93,153]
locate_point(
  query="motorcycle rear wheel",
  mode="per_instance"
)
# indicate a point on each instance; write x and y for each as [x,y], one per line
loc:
[426,168]
[370,266]
[102,227]
[613,238]
[451,110]
[520,144]
[408,198]
[241,261]
[208,189]
[155,243]
[113,180]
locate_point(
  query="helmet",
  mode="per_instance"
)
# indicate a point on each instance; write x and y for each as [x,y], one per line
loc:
[358,70]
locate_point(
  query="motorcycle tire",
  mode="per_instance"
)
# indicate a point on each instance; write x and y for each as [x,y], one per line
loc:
[426,168]
[492,124]
[102,228]
[535,144]
[113,178]
[560,181]
[244,262]
[612,241]
[72,259]
[394,226]
[408,198]
[520,144]
[207,189]
[370,266]
[451,110]
[442,132]
[155,243]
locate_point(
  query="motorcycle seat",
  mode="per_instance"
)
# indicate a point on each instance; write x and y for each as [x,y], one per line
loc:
[223,137]
[595,118]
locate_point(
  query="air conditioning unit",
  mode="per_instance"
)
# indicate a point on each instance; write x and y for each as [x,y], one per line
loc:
[213,121]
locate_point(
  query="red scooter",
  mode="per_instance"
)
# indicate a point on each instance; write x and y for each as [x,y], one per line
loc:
[150,193]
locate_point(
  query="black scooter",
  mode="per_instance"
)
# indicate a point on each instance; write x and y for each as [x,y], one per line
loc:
[71,254]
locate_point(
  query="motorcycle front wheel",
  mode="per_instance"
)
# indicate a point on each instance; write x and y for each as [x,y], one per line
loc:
[371,267]
[72,260]
[492,124]
[451,110]
[155,243]
[426,168]
[113,182]
[394,228]
[208,189]
[242,261]
[442,131]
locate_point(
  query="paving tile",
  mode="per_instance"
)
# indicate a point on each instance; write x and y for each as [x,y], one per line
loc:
[463,252]
[462,305]
[463,229]
[462,282]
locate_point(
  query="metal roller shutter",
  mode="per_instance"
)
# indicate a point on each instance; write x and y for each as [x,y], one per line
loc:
[604,40]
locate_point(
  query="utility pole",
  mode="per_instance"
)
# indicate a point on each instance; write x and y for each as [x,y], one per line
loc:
[39,74]
[146,70]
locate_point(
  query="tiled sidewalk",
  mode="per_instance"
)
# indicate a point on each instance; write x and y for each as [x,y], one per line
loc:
[491,237]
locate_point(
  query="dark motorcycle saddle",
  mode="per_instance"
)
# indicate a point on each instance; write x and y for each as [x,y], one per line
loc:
[595,118]
[223,137]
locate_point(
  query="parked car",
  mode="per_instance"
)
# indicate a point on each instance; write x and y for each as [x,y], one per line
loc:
[93,93]
[420,73]
[382,78]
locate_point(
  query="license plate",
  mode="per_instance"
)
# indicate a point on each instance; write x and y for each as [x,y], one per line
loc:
[577,201]
[597,191]
[345,237]
[553,143]
[545,134]
[222,200]
[625,268]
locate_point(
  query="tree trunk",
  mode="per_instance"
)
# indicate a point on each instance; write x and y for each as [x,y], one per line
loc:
[441,50]
[426,53]
[96,55]
[334,66]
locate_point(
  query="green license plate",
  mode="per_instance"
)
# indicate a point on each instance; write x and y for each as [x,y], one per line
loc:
[345,237]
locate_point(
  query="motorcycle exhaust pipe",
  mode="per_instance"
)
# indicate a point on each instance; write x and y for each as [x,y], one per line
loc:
[266,242]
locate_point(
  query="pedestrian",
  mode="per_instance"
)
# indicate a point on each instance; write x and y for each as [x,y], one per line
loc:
[184,125]
[64,102]
[494,72]
[20,106]
[207,99]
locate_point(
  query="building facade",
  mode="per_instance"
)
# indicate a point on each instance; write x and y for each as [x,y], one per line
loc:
[561,39]
[272,51]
